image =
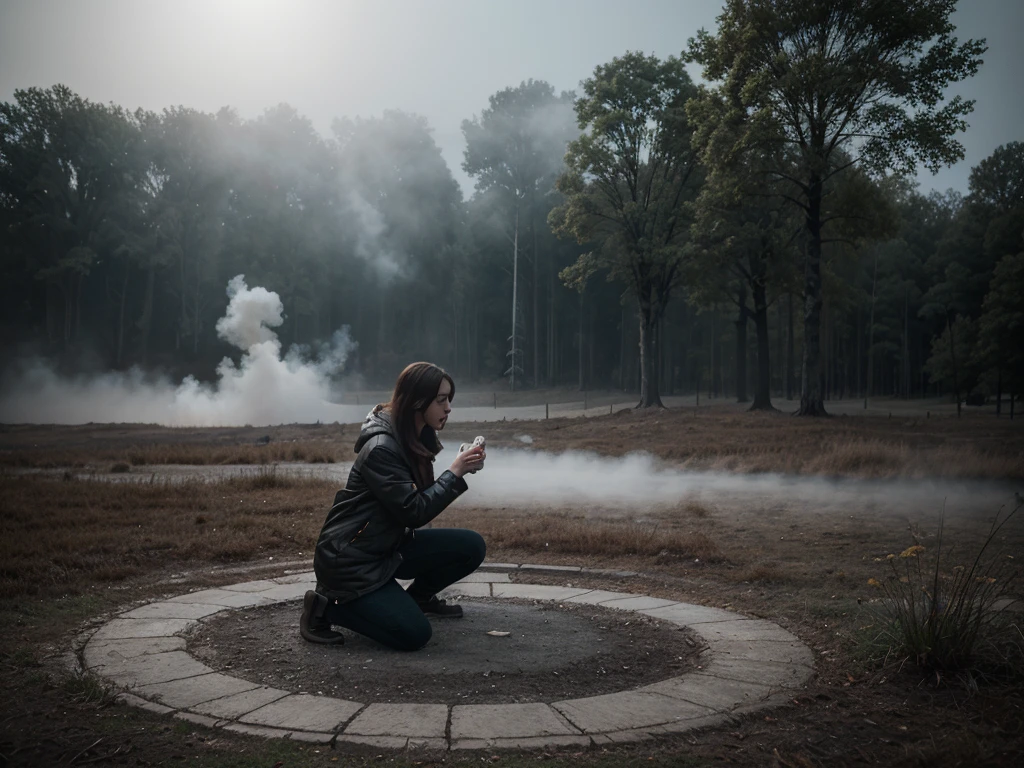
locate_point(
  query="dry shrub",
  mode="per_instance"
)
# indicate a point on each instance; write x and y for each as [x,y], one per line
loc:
[938,607]
[696,508]
[871,458]
[762,573]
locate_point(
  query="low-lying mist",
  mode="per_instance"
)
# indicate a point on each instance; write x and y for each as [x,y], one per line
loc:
[264,387]
[521,478]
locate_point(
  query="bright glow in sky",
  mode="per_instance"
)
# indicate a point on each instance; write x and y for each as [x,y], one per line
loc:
[441,59]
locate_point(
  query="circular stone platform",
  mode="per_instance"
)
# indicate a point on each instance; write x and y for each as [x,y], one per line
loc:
[748,664]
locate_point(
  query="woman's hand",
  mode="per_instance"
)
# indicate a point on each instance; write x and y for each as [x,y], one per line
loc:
[469,461]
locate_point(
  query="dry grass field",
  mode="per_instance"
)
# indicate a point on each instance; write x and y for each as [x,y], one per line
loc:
[74,547]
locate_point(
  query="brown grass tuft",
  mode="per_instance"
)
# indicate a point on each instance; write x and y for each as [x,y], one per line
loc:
[563,534]
[62,537]
[762,573]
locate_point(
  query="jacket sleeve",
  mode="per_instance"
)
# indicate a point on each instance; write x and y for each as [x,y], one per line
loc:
[391,483]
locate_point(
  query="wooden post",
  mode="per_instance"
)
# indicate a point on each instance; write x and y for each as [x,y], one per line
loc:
[546,410]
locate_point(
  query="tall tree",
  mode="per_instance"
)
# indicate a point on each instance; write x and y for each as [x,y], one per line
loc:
[515,148]
[65,163]
[629,178]
[841,83]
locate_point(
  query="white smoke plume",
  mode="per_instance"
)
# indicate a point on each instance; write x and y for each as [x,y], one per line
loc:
[612,486]
[263,388]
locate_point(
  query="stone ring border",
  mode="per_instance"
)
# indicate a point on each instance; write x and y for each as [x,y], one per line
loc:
[749,664]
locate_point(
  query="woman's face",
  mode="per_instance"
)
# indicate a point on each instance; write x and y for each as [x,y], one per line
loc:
[437,412]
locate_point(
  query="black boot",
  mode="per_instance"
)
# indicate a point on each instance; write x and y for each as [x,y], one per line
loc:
[313,626]
[434,606]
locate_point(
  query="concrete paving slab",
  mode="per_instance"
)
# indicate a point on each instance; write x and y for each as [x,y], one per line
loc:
[478,577]
[686,614]
[535,591]
[260,585]
[596,596]
[638,603]
[208,722]
[294,578]
[238,704]
[313,737]
[152,668]
[304,712]
[627,710]
[185,694]
[507,721]
[777,699]
[425,744]
[768,673]
[789,653]
[97,654]
[535,742]
[502,566]
[643,734]
[412,720]
[221,597]
[122,629]
[551,568]
[258,730]
[747,630]
[386,742]
[281,593]
[714,693]
[141,703]
[467,590]
[167,610]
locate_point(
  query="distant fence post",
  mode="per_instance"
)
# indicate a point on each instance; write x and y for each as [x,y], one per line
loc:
[545,410]
[495,400]
[609,409]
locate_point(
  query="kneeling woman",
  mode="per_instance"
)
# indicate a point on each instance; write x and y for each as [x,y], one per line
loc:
[373,534]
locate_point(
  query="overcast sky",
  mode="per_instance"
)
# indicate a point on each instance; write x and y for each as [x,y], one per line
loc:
[441,59]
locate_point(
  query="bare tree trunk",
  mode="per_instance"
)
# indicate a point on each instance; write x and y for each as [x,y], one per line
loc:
[763,390]
[622,348]
[871,334]
[790,354]
[952,358]
[716,357]
[649,396]
[741,347]
[811,401]
[999,390]
[120,317]
[582,371]
[536,302]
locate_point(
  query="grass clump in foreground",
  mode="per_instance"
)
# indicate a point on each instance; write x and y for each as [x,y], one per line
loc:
[948,616]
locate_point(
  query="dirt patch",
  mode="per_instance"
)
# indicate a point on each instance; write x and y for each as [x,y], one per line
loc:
[553,652]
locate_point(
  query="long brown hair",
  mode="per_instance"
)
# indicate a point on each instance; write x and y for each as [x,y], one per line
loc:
[415,390]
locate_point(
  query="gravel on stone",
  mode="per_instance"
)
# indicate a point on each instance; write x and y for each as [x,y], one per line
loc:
[554,651]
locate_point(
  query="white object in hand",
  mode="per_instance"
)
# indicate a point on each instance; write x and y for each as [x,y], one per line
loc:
[479,441]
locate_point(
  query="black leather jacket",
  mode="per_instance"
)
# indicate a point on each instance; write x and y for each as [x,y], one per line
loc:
[380,506]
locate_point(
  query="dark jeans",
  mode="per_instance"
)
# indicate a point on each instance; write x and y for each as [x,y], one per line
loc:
[434,558]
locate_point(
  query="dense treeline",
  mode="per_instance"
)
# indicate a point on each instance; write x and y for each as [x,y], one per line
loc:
[753,237]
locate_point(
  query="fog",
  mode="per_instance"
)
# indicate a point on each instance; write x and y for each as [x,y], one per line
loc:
[263,387]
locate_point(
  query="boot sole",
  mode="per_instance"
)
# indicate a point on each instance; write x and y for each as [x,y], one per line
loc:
[334,638]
